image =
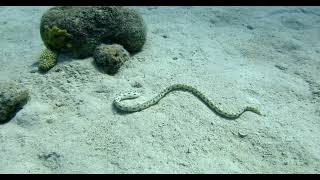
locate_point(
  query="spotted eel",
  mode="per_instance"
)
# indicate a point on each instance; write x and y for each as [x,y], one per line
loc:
[139,107]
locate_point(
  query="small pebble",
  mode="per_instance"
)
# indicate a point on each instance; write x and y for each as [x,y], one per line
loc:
[212,21]
[59,104]
[33,71]
[49,121]
[136,84]
[242,135]
[57,70]
[188,151]
[281,67]
[165,36]
[249,27]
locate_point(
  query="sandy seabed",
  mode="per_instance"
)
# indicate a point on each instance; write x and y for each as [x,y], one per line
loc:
[261,56]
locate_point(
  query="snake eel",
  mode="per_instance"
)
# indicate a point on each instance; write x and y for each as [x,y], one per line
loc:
[139,107]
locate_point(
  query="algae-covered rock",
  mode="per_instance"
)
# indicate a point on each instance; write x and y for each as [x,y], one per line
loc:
[110,57]
[47,60]
[79,30]
[12,98]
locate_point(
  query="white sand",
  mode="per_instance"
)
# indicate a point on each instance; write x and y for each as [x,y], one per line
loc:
[261,56]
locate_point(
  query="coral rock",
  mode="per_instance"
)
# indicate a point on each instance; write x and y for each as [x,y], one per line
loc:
[12,98]
[110,57]
[77,31]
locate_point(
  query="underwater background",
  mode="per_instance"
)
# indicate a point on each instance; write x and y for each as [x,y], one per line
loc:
[266,57]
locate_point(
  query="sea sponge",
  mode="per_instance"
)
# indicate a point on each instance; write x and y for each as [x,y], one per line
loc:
[12,98]
[81,29]
[57,38]
[110,57]
[47,60]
